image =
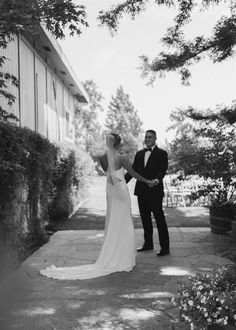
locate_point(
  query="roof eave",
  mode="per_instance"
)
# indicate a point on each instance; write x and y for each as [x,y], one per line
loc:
[61,65]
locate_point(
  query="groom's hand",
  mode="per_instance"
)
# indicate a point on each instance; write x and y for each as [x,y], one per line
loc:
[153,183]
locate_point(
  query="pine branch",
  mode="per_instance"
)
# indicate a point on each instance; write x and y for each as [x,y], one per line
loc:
[184,53]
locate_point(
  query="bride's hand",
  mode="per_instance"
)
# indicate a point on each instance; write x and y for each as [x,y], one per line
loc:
[151,183]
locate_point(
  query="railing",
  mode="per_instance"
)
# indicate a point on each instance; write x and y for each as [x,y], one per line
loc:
[181,196]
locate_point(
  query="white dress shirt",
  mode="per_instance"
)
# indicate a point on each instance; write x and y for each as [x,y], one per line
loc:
[147,155]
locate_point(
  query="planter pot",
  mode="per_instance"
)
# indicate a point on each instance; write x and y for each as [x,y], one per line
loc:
[220,220]
[233,226]
[217,327]
[225,327]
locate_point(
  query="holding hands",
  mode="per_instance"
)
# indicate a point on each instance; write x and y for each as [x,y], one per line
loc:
[152,183]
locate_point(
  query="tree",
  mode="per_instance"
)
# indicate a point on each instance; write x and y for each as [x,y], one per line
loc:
[209,153]
[20,16]
[88,131]
[122,118]
[181,53]
[183,147]
[226,116]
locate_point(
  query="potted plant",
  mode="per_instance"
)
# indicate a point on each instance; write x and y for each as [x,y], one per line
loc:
[222,209]
[221,202]
[208,301]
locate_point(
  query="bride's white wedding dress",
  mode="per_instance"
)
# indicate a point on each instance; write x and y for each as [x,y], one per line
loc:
[118,250]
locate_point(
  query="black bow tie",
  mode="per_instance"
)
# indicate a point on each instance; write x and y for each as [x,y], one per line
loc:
[148,149]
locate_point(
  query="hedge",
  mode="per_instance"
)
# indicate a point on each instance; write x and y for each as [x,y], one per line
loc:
[40,182]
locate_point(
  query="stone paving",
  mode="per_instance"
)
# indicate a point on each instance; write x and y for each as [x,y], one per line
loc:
[135,300]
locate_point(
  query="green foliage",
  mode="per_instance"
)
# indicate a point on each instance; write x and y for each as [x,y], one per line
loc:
[7,117]
[208,299]
[183,149]
[71,175]
[122,118]
[26,163]
[6,78]
[26,15]
[181,53]
[26,160]
[40,182]
[205,146]
[88,131]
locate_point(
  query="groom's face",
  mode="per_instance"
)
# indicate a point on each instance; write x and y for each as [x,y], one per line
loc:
[150,139]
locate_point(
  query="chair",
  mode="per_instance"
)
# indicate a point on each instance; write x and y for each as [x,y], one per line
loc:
[176,195]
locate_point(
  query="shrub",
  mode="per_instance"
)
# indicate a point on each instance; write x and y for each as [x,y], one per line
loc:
[39,182]
[26,161]
[208,299]
[73,171]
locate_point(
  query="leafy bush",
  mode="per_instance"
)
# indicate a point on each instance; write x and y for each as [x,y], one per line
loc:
[206,147]
[208,299]
[40,182]
[73,171]
[26,162]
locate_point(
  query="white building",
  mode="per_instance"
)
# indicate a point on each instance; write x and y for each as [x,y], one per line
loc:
[49,89]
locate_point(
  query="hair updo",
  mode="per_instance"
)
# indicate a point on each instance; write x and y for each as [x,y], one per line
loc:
[117,140]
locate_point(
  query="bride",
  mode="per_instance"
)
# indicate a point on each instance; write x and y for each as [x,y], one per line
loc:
[118,250]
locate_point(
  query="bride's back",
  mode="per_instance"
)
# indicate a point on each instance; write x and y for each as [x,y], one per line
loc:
[104,162]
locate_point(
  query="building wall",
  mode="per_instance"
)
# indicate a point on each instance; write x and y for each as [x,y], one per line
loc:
[11,66]
[41,96]
[43,102]
[27,88]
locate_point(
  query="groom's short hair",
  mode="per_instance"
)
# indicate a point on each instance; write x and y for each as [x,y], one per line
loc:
[151,131]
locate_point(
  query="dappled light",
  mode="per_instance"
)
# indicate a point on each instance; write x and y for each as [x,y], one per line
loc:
[37,311]
[80,293]
[147,295]
[137,314]
[175,271]
[95,236]
[75,305]
[111,319]
[96,317]
[111,190]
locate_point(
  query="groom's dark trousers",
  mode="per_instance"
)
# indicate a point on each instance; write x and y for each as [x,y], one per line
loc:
[150,199]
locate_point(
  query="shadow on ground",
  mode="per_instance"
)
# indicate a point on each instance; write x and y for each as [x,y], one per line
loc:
[88,218]
[93,211]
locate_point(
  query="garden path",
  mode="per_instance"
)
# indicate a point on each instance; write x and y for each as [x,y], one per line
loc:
[135,300]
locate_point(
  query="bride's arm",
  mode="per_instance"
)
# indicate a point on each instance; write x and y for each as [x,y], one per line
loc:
[127,165]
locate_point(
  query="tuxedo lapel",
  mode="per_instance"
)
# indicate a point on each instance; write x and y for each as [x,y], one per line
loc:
[142,158]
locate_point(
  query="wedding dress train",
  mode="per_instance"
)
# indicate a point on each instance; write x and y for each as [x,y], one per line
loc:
[118,250]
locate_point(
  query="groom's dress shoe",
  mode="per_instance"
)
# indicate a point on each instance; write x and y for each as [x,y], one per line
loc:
[163,253]
[144,248]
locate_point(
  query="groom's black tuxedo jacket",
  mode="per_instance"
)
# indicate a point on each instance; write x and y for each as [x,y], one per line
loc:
[155,168]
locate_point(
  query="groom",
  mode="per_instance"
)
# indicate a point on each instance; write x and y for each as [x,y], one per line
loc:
[152,163]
